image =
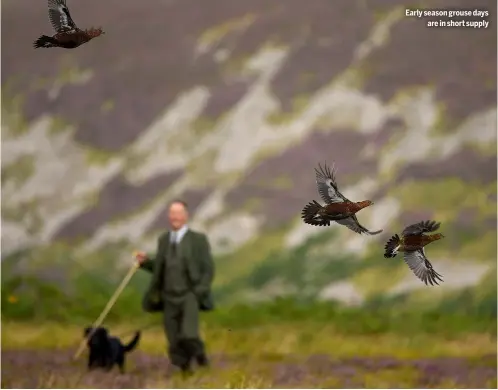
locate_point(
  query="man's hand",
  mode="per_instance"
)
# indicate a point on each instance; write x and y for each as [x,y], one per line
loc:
[141,257]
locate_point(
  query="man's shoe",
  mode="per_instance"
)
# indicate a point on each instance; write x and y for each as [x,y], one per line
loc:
[186,370]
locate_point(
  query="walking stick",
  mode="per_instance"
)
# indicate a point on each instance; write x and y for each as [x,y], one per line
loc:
[108,307]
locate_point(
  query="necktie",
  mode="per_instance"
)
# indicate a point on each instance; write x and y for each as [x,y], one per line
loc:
[173,243]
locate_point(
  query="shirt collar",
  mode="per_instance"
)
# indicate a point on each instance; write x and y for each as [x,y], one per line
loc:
[178,235]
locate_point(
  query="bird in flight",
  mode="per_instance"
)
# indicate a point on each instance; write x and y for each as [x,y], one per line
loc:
[337,207]
[68,35]
[411,243]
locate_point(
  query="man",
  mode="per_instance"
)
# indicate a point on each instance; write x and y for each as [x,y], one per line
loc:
[182,272]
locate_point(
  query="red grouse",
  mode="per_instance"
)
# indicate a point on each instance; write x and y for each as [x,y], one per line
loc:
[337,208]
[411,243]
[67,34]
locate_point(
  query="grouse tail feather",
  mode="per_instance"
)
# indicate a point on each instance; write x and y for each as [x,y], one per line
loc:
[44,41]
[392,246]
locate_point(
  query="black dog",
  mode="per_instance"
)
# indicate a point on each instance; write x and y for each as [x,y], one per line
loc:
[106,351]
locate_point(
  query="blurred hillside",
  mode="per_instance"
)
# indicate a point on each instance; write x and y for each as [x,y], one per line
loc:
[230,105]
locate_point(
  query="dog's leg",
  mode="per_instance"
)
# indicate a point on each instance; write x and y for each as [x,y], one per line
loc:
[120,361]
[91,360]
[109,364]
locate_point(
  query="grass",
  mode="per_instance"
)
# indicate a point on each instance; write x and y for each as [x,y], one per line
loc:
[284,344]
[69,293]
[446,192]
[292,354]
[13,122]
[215,34]
[287,342]
[247,257]
[272,340]
[18,171]
[299,104]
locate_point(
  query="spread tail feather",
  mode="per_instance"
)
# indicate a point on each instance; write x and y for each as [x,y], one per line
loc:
[310,210]
[133,343]
[44,41]
[310,214]
[392,246]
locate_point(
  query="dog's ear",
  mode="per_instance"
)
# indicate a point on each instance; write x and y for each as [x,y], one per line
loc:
[88,329]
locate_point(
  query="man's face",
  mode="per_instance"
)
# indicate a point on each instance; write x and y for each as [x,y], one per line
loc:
[177,216]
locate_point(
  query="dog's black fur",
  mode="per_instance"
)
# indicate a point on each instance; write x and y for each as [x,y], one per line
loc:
[105,350]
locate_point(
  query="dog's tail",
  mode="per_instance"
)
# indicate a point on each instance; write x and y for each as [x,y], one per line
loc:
[133,343]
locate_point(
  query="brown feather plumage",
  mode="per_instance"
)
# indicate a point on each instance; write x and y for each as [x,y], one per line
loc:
[68,35]
[337,207]
[412,243]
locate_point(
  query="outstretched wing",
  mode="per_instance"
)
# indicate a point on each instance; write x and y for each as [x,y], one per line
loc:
[421,227]
[59,16]
[317,221]
[327,185]
[353,224]
[421,267]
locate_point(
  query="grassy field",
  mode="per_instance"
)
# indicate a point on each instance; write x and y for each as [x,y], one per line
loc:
[267,348]
[386,343]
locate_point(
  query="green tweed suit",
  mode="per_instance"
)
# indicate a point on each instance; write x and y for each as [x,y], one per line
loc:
[180,287]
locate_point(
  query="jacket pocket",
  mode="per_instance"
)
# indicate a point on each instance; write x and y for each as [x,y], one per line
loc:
[193,270]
